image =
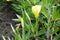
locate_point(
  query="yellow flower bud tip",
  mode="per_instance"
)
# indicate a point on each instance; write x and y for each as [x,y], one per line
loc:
[36,9]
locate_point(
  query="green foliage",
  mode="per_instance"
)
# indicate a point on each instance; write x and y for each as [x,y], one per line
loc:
[45,26]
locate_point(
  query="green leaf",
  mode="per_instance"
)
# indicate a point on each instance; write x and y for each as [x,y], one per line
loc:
[16,20]
[18,37]
[57,23]
[42,31]
[57,37]
[45,12]
[46,2]
[41,38]
[19,17]
[55,30]
[3,37]
[55,14]
[35,1]
[27,27]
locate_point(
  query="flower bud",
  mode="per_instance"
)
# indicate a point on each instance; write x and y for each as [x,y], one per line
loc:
[36,9]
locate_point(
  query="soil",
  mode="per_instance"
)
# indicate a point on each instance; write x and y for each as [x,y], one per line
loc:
[7,14]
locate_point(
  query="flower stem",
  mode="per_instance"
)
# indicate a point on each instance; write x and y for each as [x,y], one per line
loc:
[36,27]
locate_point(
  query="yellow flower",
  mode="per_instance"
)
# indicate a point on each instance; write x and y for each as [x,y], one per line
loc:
[36,9]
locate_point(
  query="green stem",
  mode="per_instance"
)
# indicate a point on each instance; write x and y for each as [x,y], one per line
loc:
[36,24]
[36,27]
[48,29]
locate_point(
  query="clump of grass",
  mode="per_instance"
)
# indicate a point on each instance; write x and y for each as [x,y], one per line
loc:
[45,13]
